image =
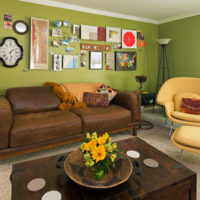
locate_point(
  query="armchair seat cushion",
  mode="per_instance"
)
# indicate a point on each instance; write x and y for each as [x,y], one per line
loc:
[34,128]
[103,119]
[186,116]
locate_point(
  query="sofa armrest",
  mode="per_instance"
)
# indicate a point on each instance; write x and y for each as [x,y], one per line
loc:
[130,101]
[5,122]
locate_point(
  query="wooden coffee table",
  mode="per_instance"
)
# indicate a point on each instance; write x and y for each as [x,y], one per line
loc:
[170,181]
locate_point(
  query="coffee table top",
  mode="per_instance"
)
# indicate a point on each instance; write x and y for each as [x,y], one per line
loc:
[168,173]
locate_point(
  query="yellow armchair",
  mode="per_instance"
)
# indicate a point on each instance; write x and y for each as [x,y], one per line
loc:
[170,95]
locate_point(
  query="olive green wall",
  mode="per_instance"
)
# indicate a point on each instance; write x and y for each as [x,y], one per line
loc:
[15,77]
[184,50]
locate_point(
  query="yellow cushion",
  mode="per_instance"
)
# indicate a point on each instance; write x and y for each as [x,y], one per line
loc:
[77,89]
[186,116]
[178,99]
[188,136]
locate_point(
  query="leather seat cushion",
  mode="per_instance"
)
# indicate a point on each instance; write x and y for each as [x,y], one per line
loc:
[103,119]
[32,99]
[39,127]
[188,136]
[186,116]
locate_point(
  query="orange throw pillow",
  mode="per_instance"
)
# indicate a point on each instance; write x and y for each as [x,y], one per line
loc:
[190,105]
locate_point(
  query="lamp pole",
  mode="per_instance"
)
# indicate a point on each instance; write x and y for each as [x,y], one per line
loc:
[163,66]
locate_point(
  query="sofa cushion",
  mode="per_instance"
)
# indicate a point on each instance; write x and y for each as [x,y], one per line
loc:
[95,99]
[103,119]
[186,116]
[32,99]
[34,128]
[178,99]
[77,89]
[103,88]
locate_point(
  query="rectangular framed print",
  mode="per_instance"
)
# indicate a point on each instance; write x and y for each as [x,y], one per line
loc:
[39,43]
[125,61]
[113,34]
[129,39]
[96,60]
[57,65]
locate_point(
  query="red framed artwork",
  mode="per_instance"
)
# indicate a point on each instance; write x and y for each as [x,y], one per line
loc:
[39,43]
[129,39]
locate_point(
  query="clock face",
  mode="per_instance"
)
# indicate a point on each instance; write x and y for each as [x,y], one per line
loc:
[10,52]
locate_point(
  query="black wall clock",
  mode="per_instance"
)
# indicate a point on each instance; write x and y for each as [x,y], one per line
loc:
[11,52]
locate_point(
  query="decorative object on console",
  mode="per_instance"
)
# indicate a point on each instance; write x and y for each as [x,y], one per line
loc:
[39,43]
[163,66]
[7,21]
[20,27]
[70,62]
[76,28]
[95,99]
[113,34]
[11,52]
[129,39]
[56,32]
[57,62]
[108,90]
[110,60]
[95,47]
[69,102]
[96,60]
[141,79]
[125,61]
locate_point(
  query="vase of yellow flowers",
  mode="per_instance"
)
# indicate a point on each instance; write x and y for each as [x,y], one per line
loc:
[99,154]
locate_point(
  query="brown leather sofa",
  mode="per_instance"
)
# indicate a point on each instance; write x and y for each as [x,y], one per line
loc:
[30,119]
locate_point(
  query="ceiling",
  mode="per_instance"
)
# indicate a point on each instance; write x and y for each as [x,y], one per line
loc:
[152,11]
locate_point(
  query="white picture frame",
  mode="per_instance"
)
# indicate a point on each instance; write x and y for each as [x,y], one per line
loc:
[96,60]
[56,32]
[57,66]
[113,34]
[129,39]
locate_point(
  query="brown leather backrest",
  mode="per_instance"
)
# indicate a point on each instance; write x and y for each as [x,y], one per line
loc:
[32,99]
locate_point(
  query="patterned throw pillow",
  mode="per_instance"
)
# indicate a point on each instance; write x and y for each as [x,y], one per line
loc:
[95,99]
[190,105]
[107,90]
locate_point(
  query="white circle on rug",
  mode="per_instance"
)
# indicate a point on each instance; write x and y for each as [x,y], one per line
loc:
[133,154]
[149,162]
[52,195]
[36,184]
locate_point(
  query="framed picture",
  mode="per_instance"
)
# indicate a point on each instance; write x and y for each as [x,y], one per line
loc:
[125,61]
[129,39]
[96,60]
[39,43]
[56,32]
[113,34]
[57,66]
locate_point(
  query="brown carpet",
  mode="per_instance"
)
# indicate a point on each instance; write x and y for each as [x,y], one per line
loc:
[157,136]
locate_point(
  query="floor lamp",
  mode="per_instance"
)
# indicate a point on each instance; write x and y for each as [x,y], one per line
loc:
[163,70]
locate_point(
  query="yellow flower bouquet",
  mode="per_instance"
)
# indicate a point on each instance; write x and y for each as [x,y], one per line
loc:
[99,153]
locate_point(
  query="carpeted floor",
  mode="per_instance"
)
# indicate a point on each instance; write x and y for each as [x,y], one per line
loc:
[157,136]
